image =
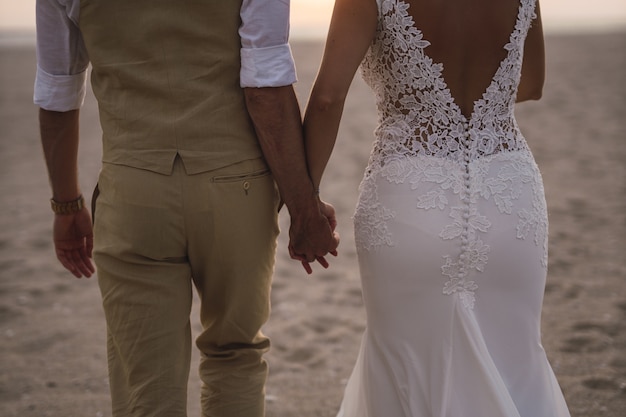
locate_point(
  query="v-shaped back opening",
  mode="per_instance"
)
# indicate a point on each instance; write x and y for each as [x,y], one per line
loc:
[468,40]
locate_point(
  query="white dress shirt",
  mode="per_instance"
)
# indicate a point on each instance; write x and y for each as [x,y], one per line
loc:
[62,59]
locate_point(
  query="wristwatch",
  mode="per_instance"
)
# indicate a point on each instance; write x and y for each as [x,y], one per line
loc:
[68,207]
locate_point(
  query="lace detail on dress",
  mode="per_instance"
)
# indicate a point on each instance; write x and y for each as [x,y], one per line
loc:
[417,113]
[370,219]
[422,137]
[517,172]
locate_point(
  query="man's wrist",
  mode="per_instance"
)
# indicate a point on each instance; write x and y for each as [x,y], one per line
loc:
[305,204]
[67,207]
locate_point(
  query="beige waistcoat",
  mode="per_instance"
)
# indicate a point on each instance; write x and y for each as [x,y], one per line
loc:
[166,77]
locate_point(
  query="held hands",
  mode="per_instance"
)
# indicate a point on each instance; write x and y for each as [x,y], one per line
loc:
[73,242]
[315,237]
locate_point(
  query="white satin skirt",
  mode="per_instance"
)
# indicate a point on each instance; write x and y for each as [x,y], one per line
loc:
[453,267]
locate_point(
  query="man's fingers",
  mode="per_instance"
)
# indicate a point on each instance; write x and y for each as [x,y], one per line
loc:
[322,261]
[85,255]
[296,256]
[76,261]
[81,261]
[85,266]
[65,260]
[89,245]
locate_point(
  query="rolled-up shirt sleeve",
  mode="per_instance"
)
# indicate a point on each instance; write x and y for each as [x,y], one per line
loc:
[62,60]
[266,59]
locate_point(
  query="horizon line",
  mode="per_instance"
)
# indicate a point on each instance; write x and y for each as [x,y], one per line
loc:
[26,36]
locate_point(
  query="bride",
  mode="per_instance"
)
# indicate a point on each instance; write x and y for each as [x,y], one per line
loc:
[451,221]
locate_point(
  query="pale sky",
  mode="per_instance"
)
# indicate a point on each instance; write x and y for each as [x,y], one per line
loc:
[311,17]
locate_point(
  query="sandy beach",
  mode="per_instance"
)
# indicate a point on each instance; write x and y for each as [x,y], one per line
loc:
[52,329]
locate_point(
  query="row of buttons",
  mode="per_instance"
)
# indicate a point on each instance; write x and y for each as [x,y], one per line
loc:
[465,197]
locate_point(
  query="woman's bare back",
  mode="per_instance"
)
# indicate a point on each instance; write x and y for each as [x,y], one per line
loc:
[468,38]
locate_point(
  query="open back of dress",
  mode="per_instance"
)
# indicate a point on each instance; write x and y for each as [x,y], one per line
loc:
[451,231]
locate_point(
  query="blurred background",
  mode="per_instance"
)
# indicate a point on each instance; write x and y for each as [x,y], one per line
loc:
[52,356]
[310,18]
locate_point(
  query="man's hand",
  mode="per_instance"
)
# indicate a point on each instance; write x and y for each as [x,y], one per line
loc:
[73,242]
[315,237]
[73,235]
[275,114]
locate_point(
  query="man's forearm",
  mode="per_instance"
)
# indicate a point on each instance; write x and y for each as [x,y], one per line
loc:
[72,230]
[278,124]
[59,138]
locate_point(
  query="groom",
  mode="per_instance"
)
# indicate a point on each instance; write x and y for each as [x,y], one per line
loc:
[187,191]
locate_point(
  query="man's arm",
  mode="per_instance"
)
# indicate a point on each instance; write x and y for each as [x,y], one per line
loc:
[72,232]
[59,91]
[277,120]
[267,77]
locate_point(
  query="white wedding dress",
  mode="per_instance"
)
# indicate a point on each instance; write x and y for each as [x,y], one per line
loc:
[451,231]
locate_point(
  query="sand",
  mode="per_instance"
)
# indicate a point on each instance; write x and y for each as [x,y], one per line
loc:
[52,330]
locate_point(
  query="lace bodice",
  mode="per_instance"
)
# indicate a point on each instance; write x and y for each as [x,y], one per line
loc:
[417,113]
[475,171]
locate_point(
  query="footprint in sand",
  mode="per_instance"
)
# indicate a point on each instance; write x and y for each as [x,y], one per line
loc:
[300,355]
[601,384]
[584,344]
[610,329]
[595,337]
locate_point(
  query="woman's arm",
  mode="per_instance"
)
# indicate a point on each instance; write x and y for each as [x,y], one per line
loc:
[533,66]
[352,29]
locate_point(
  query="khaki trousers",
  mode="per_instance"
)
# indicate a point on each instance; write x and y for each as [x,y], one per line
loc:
[156,236]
